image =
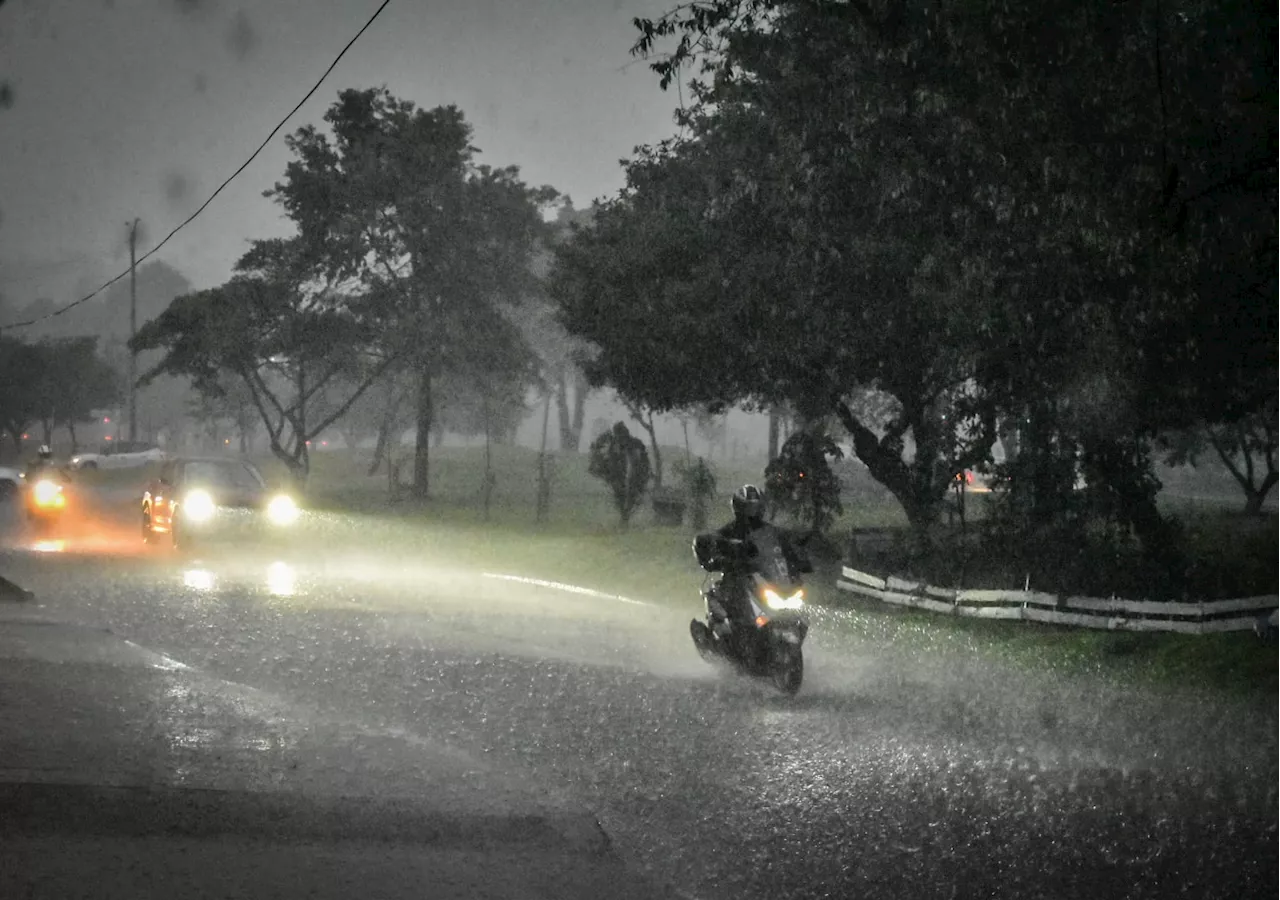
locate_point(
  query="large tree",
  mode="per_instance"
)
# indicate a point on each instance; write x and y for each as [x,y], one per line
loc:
[21,366]
[284,333]
[68,382]
[720,275]
[395,200]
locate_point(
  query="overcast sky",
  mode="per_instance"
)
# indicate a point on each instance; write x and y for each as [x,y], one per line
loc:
[124,108]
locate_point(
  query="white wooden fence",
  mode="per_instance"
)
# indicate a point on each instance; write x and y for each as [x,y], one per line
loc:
[1088,612]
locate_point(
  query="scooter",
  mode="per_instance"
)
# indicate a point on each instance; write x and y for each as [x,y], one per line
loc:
[764,635]
[46,502]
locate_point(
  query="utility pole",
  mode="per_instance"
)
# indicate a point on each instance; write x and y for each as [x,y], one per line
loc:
[133,330]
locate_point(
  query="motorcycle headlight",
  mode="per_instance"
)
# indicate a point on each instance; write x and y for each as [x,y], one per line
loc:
[282,510]
[774,600]
[199,506]
[47,493]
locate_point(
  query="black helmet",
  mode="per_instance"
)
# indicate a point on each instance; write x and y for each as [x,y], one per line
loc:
[747,502]
[44,452]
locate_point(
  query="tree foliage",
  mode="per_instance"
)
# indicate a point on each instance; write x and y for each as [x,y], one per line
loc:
[801,483]
[985,213]
[699,483]
[54,382]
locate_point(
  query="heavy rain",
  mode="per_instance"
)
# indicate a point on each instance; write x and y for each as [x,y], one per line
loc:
[864,489]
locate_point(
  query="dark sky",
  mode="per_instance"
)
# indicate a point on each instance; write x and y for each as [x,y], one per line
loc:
[124,108]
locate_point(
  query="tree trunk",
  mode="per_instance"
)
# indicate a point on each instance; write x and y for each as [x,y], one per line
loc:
[645,418]
[911,485]
[380,448]
[775,427]
[71,430]
[300,469]
[571,419]
[647,422]
[486,489]
[425,416]
[567,442]
[297,460]
[1255,499]
[543,501]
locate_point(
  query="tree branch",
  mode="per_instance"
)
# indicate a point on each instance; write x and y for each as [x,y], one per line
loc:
[1225,456]
[368,382]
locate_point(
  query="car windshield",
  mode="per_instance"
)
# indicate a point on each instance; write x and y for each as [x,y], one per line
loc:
[234,476]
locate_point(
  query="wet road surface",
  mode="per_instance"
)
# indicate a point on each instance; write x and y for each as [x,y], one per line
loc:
[891,775]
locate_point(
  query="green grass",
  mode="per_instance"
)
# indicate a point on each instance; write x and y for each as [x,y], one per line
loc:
[1237,665]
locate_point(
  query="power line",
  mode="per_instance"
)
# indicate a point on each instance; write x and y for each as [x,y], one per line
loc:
[243,166]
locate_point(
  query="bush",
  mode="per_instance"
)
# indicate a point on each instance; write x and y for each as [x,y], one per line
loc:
[801,483]
[1227,555]
[699,483]
[620,460]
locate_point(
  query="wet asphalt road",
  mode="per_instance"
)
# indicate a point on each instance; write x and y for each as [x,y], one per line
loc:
[890,775]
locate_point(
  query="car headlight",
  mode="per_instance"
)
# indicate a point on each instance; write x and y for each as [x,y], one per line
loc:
[282,510]
[774,600]
[198,507]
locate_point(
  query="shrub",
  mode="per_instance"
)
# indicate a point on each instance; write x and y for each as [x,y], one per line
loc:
[620,460]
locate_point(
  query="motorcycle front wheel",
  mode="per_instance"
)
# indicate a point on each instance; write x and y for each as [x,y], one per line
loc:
[702,639]
[787,668]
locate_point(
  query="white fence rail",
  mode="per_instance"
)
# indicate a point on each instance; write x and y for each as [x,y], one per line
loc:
[1112,614]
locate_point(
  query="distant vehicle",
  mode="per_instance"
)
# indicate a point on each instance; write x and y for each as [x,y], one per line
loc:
[194,498]
[46,500]
[10,483]
[120,455]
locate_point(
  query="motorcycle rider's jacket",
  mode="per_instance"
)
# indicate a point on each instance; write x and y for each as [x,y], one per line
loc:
[779,545]
[778,558]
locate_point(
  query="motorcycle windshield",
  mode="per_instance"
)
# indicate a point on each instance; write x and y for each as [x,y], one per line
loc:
[771,562]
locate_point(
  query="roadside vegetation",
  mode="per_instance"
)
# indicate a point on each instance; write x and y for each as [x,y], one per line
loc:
[582,542]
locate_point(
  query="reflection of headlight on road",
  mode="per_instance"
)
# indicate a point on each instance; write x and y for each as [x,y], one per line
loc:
[198,579]
[774,600]
[280,579]
[50,546]
[198,507]
[282,510]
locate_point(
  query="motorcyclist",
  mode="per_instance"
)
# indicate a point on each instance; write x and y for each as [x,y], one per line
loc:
[41,464]
[728,598]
